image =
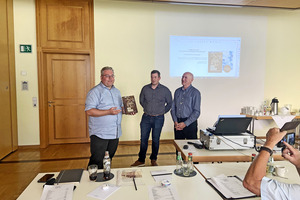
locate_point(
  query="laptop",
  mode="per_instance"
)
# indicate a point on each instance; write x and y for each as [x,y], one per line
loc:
[232,125]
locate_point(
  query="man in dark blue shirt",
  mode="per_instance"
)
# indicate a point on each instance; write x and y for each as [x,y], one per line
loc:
[156,100]
[186,109]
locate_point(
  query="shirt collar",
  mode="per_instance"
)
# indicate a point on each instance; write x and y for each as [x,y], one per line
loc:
[158,86]
[188,88]
[105,86]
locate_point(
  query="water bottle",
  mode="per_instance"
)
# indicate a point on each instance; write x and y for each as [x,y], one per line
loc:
[253,157]
[106,166]
[270,165]
[179,164]
[190,162]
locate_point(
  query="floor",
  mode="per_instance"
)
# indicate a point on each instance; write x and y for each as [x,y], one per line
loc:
[19,168]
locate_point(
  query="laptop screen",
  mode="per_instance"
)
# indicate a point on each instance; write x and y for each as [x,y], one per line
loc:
[232,125]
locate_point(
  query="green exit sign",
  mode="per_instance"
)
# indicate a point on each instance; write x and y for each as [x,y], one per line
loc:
[25,48]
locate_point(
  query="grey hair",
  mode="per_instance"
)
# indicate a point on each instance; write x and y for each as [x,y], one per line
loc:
[106,68]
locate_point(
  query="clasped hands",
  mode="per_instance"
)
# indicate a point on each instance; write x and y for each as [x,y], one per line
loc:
[179,126]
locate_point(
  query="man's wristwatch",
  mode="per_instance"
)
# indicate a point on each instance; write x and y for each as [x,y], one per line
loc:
[266,149]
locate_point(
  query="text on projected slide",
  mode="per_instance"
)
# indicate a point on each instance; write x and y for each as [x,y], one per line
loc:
[205,56]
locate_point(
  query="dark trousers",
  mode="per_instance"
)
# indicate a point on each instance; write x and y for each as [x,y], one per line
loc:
[155,123]
[189,132]
[98,148]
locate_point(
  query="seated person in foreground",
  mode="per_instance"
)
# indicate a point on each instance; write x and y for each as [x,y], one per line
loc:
[255,179]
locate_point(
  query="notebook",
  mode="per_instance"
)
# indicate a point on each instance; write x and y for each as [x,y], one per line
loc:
[69,175]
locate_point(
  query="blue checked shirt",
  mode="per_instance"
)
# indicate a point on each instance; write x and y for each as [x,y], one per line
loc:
[103,98]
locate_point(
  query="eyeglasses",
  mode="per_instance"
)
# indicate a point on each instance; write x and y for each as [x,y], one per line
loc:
[109,76]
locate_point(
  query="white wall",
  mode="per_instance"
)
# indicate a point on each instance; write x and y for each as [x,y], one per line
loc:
[220,96]
[25,33]
[130,36]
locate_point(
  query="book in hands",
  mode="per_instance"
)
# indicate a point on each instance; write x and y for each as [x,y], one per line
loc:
[129,104]
[69,175]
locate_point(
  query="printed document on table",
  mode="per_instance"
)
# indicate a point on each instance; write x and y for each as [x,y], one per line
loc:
[160,175]
[162,193]
[124,178]
[100,193]
[54,192]
[230,186]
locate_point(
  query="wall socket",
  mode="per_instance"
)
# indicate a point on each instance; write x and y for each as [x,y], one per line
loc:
[24,85]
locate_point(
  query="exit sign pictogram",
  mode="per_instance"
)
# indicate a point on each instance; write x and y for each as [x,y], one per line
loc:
[25,48]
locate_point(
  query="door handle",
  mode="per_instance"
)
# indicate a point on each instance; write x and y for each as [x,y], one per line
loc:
[50,102]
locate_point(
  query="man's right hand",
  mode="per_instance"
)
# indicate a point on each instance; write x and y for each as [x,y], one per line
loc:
[291,154]
[273,137]
[114,111]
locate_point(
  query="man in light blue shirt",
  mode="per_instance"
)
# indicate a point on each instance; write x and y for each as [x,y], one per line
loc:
[256,180]
[186,109]
[104,107]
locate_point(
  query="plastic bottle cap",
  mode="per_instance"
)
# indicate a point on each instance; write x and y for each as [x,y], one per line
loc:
[165,183]
[105,186]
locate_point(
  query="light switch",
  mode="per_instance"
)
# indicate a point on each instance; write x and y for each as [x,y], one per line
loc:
[24,73]
[34,101]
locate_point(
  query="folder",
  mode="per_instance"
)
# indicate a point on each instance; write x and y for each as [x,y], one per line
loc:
[229,187]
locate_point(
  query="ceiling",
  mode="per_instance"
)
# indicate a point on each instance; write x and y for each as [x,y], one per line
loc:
[285,4]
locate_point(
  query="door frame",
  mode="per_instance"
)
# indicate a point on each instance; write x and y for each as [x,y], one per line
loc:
[42,51]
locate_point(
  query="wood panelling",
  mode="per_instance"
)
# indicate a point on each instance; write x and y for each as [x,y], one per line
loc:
[65,24]
[8,125]
[65,38]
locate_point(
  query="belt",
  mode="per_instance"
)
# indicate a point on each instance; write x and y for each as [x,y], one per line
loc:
[153,115]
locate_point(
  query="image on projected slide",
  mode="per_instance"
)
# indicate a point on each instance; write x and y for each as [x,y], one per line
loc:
[205,56]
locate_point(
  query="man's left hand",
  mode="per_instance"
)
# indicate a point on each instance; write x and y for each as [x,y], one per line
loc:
[180,126]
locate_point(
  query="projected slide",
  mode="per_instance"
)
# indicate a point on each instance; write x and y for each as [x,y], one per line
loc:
[205,56]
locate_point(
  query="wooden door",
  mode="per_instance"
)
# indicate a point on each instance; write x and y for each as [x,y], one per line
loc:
[65,47]
[68,77]
[5,117]
[8,126]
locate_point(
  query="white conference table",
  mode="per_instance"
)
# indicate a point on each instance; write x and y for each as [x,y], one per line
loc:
[240,169]
[187,188]
[204,155]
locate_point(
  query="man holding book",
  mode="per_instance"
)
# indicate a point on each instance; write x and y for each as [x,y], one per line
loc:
[104,107]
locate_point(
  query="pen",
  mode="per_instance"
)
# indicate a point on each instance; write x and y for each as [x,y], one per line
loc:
[134,183]
[162,174]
